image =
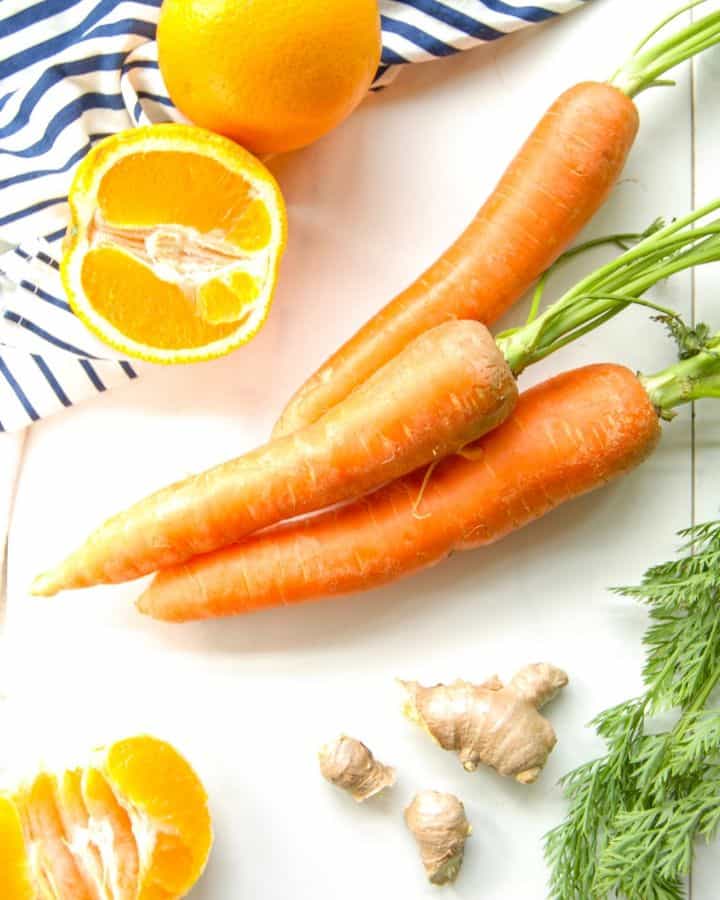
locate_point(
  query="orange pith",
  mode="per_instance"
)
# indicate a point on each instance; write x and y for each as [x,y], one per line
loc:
[132,826]
[44,828]
[175,242]
[76,819]
[121,853]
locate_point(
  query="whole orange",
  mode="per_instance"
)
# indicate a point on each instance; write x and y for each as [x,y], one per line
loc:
[274,75]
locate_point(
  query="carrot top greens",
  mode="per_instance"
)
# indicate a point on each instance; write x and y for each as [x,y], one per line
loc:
[651,60]
[662,251]
[636,812]
[695,377]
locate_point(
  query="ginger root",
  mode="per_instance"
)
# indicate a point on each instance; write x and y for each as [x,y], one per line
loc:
[349,764]
[441,828]
[491,723]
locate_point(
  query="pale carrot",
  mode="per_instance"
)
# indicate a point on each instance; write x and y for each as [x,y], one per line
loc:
[443,391]
[553,187]
[567,436]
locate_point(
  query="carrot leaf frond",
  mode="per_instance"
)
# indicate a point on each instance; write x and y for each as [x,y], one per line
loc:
[690,340]
[636,813]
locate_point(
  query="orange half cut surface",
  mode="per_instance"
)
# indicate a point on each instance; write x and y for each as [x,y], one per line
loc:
[132,825]
[174,243]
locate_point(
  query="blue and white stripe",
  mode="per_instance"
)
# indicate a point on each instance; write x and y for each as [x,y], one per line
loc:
[74,71]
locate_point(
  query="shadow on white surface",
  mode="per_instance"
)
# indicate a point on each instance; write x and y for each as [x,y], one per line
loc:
[334,626]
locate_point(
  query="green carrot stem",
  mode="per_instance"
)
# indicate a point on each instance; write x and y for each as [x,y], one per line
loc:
[580,312]
[573,335]
[691,4]
[619,302]
[690,379]
[650,61]
[617,240]
[611,288]
[641,250]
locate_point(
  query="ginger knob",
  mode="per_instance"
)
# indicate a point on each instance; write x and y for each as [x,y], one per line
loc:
[349,764]
[440,827]
[491,723]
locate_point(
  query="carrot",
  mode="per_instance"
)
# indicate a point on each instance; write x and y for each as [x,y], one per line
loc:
[553,187]
[567,436]
[560,178]
[447,388]
[443,391]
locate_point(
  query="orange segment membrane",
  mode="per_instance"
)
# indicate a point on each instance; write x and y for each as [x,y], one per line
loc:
[142,306]
[102,805]
[76,822]
[167,790]
[54,861]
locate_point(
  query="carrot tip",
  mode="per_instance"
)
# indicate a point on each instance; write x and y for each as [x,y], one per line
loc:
[46,585]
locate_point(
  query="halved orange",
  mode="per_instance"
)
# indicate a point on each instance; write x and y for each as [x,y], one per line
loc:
[174,244]
[132,825]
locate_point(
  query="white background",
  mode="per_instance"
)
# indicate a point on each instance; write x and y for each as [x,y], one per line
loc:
[250,700]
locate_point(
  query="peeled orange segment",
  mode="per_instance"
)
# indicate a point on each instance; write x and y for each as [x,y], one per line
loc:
[76,822]
[163,790]
[134,825]
[46,834]
[15,875]
[226,300]
[174,244]
[118,849]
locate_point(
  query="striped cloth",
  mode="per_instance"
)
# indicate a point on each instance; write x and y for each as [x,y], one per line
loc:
[74,71]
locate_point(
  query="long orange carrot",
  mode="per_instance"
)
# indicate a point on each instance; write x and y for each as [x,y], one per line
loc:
[560,178]
[567,436]
[553,187]
[446,389]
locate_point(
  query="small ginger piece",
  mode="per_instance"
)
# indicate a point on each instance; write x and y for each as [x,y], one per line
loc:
[349,764]
[441,828]
[490,723]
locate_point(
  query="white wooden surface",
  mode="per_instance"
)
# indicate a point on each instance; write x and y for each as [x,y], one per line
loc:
[11,447]
[250,700]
